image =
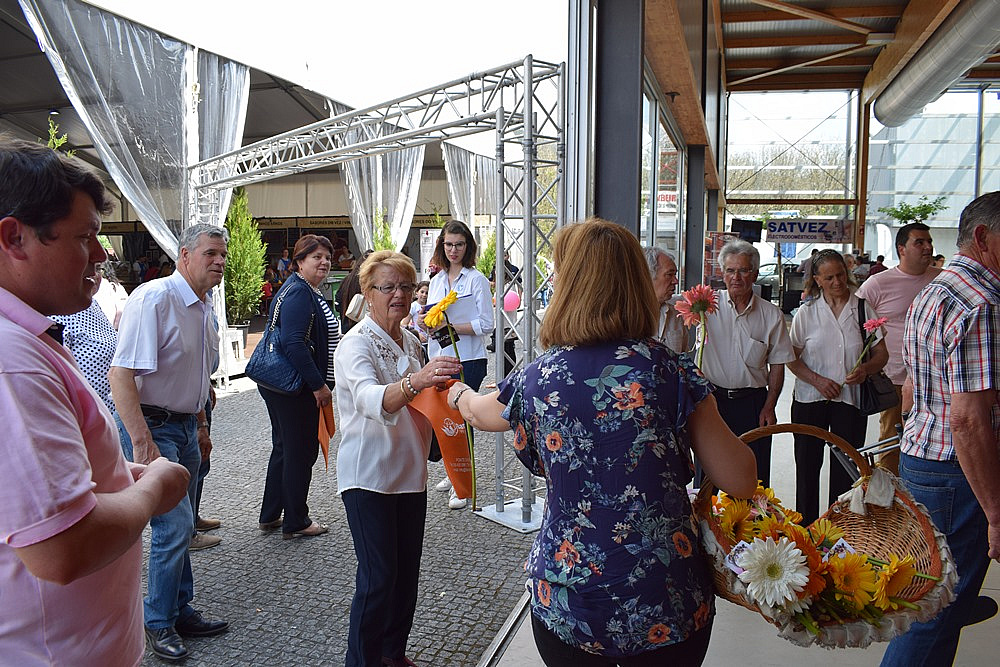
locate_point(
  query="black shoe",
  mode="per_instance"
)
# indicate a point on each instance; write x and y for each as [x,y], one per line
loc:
[165,643]
[982,609]
[197,625]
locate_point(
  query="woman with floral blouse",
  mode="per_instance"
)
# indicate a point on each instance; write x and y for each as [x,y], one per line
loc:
[610,416]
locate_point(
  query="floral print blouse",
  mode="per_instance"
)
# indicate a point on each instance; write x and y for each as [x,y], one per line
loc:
[616,568]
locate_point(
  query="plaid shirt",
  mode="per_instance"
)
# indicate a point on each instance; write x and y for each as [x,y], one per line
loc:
[951,345]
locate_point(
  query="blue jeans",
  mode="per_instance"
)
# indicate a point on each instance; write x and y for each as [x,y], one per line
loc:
[943,489]
[170,586]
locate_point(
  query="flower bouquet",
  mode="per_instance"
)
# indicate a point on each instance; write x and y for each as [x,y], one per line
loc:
[849,578]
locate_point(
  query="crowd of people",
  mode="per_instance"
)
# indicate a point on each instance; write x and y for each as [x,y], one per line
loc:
[107,402]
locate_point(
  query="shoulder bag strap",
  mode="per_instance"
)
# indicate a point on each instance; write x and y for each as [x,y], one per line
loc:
[861,325]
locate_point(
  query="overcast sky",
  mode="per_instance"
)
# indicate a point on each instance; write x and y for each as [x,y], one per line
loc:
[362,53]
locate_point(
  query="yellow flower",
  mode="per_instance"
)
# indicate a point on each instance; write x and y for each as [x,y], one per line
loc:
[769,526]
[736,523]
[825,533]
[853,578]
[891,579]
[434,316]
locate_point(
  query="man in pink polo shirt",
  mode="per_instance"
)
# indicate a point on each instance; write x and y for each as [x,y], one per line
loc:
[72,509]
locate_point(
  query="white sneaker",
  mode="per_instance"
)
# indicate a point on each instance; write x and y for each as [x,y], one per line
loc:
[456,503]
[443,485]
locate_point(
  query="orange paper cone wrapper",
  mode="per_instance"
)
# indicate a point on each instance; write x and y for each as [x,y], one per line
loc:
[326,430]
[449,427]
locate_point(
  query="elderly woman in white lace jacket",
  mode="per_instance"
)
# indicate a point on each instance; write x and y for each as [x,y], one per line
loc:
[382,461]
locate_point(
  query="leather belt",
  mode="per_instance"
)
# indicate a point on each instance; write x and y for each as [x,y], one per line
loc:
[166,415]
[733,394]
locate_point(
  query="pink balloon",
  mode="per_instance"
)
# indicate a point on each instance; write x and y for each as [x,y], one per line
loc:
[511,301]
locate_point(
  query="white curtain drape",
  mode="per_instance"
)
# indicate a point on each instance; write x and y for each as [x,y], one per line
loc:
[388,183]
[135,90]
[472,183]
[460,171]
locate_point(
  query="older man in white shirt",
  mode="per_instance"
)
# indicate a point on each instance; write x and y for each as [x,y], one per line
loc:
[746,351]
[663,270]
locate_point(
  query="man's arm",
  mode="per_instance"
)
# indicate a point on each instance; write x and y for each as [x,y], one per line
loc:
[126,396]
[775,381]
[110,529]
[976,446]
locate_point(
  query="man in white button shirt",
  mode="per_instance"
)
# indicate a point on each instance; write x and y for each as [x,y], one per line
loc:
[167,346]
[663,270]
[746,351]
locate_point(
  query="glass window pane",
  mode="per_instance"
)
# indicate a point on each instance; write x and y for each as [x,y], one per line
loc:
[668,227]
[645,203]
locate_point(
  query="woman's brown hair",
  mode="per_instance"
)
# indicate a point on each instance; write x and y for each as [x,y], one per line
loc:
[306,245]
[602,291]
[455,227]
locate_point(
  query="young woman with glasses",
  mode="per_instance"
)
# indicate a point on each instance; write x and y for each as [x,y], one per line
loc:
[456,252]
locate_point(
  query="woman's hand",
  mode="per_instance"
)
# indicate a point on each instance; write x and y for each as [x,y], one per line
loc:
[454,391]
[436,373]
[826,387]
[323,396]
[858,376]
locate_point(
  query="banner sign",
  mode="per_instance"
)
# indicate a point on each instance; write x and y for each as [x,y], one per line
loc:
[808,231]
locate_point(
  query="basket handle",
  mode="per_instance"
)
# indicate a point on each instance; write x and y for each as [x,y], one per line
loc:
[705,492]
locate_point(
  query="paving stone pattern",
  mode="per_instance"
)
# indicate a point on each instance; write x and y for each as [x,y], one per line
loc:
[288,601]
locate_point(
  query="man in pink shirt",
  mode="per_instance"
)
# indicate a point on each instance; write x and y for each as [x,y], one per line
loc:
[890,293]
[72,509]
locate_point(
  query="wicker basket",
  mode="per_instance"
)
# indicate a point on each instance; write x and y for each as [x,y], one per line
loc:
[904,528]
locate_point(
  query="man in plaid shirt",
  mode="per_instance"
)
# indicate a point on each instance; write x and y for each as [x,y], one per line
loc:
[950,458]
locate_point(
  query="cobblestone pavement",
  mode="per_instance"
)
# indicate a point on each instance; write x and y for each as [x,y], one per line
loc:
[288,601]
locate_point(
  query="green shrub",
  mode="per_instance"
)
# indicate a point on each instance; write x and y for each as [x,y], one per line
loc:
[244,273]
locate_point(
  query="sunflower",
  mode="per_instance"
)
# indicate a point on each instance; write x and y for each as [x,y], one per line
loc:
[825,533]
[774,572]
[891,579]
[736,524]
[853,578]
[434,316]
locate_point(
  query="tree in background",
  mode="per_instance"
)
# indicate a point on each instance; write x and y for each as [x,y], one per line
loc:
[381,233]
[244,272]
[487,260]
[55,141]
[904,213]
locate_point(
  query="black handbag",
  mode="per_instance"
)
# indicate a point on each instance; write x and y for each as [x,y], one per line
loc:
[877,393]
[268,366]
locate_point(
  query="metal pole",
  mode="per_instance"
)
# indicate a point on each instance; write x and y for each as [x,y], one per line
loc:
[498,349]
[528,146]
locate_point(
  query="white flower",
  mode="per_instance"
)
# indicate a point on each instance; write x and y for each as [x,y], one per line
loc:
[774,572]
[630,492]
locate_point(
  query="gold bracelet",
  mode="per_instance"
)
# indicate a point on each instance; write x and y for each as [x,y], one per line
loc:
[402,389]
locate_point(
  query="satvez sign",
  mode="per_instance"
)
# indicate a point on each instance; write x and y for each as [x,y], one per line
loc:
[806,231]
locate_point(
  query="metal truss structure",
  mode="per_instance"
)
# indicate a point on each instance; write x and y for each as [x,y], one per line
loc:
[523,103]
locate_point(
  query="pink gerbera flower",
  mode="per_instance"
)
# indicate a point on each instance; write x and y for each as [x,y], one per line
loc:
[872,325]
[697,302]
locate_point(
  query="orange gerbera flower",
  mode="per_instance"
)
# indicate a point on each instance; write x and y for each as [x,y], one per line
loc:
[544,592]
[553,442]
[520,438]
[682,544]
[630,398]
[658,634]
[817,568]
[567,554]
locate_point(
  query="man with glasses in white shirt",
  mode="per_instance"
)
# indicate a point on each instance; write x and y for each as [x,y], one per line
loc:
[746,351]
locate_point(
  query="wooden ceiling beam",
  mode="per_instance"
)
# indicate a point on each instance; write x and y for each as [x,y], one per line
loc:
[766,41]
[667,53]
[919,21]
[804,81]
[795,66]
[983,74]
[734,64]
[762,15]
[813,15]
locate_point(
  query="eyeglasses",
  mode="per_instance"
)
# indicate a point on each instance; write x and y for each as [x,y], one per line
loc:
[405,288]
[454,246]
[743,272]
